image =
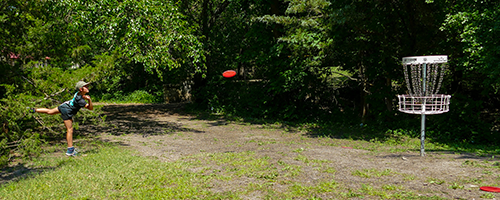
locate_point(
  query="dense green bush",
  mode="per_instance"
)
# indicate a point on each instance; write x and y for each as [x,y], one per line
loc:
[138,96]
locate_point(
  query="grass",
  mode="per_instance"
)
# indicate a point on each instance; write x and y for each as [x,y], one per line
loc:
[113,172]
[435,181]
[369,173]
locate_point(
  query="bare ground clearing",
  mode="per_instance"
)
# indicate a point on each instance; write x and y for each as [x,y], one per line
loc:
[164,132]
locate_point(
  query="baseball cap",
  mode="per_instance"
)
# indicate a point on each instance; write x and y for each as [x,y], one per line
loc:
[80,84]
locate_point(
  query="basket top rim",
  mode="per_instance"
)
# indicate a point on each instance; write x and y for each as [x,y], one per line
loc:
[425,59]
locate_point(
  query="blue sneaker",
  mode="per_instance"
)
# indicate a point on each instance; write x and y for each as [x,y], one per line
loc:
[71,151]
[31,110]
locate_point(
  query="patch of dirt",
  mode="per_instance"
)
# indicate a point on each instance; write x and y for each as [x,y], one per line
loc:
[165,132]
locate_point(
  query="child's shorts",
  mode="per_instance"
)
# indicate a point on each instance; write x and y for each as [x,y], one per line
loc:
[65,111]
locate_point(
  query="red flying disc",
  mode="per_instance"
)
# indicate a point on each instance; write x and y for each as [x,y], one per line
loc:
[229,73]
[490,189]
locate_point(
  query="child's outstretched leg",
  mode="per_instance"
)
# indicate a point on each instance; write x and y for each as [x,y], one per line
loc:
[69,137]
[52,111]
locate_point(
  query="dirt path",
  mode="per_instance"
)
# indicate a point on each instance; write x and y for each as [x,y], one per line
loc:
[164,132]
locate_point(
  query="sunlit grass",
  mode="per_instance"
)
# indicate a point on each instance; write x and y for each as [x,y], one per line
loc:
[109,173]
[369,173]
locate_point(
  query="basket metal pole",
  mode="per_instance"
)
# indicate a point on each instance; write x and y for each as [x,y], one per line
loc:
[422,133]
[422,139]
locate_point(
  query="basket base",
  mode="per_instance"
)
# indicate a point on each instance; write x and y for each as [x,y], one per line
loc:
[429,105]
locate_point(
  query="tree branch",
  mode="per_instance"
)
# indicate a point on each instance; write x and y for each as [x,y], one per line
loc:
[354,79]
[52,95]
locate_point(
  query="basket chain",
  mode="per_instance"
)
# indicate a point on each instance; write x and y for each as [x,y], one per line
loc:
[435,74]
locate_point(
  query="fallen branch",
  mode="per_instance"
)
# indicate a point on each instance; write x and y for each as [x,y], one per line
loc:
[43,125]
[12,146]
[354,79]
[47,96]
[33,84]
[52,95]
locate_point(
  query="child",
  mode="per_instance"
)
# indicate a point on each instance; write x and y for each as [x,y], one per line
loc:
[68,109]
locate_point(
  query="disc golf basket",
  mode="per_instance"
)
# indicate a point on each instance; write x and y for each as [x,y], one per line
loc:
[424,75]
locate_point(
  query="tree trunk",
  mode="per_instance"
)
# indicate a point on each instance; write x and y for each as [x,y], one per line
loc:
[388,100]
[275,5]
[364,93]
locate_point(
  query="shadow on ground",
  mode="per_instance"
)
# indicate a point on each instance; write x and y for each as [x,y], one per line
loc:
[138,119]
[21,171]
[17,172]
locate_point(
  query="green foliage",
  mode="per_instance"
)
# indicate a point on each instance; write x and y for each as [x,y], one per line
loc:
[475,25]
[14,135]
[472,127]
[138,96]
[153,33]
[275,80]
[32,145]
[471,28]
